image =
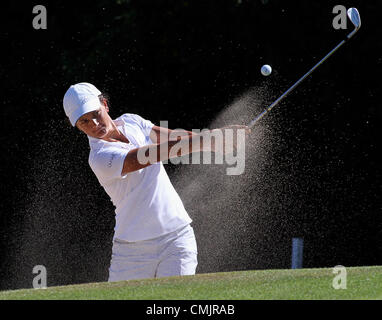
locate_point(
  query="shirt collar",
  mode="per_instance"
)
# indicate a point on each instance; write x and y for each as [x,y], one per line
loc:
[98,143]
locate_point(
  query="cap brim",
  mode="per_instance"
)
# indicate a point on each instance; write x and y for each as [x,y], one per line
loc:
[91,105]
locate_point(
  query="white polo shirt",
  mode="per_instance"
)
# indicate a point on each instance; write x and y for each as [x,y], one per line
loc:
[147,205]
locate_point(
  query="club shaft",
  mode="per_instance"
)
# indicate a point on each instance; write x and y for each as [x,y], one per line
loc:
[269,108]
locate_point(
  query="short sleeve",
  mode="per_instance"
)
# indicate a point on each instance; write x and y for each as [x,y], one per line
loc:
[145,125]
[107,164]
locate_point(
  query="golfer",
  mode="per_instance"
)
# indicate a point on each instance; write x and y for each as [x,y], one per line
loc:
[152,235]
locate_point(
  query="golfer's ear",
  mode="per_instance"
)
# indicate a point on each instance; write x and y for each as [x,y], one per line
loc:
[106,105]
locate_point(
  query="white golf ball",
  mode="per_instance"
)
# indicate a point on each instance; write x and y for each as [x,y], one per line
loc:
[266,70]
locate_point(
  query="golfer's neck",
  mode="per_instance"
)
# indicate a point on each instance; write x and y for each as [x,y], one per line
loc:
[116,135]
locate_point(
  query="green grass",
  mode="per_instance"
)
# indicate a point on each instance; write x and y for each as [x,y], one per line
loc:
[362,283]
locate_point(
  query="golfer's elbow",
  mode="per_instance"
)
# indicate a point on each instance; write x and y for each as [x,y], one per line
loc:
[133,162]
[145,156]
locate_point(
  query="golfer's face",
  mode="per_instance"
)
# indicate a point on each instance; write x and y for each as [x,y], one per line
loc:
[95,123]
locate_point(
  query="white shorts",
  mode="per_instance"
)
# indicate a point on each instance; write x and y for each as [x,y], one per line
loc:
[173,254]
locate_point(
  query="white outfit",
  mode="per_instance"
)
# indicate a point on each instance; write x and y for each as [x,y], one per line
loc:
[147,205]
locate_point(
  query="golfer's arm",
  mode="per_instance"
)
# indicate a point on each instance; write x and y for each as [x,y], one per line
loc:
[144,156]
[161,134]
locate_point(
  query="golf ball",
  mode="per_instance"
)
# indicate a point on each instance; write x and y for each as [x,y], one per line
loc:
[266,70]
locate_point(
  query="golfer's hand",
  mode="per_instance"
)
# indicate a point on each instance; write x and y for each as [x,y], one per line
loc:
[233,139]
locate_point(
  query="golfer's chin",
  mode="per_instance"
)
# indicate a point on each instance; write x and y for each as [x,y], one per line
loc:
[100,133]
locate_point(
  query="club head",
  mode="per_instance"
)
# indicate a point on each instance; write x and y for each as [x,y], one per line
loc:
[354,17]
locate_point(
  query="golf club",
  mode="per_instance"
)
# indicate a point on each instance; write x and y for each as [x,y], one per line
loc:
[355,18]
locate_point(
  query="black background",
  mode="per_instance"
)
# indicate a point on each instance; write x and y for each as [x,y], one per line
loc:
[185,61]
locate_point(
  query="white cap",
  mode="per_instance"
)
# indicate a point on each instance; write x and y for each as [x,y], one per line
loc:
[81,98]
